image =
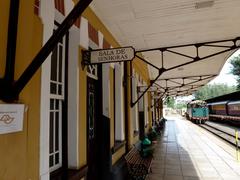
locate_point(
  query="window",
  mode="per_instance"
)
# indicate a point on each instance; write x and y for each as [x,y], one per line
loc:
[58,71]
[57,86]
[55,159]
[118,105]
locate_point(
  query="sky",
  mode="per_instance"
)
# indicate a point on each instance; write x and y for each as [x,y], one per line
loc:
[225,76]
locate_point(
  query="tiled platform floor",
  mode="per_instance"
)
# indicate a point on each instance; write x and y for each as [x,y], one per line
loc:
[185,152]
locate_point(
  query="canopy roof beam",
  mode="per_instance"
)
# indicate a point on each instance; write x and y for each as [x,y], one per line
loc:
[235,45]
[197,45]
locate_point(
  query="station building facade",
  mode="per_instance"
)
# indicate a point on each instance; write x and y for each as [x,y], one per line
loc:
[78,120]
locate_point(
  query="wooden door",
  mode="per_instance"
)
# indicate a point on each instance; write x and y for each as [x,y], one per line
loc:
[92,115]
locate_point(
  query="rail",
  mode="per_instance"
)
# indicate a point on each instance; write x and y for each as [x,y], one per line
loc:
[228,137]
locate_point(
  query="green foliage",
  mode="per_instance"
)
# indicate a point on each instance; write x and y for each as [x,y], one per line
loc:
[235,69]
[213,90]
[181,105]
[170,102]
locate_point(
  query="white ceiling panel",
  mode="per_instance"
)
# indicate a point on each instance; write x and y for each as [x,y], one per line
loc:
[146,24]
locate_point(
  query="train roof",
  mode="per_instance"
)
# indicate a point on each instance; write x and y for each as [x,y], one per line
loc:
[218,103]
[199,102]
[235,96]
[234,102]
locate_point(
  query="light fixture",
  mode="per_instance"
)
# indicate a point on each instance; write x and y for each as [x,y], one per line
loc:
[204,4]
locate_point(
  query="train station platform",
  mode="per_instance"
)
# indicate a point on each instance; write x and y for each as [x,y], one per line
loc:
[186,151]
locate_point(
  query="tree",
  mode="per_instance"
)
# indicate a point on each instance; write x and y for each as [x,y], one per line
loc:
[235,69]
[181,105]
[170,102]
[213,90]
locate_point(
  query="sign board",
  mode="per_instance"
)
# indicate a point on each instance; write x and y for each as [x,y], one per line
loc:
[111,55]
[11,118]
[151,89]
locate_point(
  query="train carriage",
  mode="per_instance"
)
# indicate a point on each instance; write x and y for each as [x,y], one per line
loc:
[234,108]
[218,108]
[225,111]
[197,111]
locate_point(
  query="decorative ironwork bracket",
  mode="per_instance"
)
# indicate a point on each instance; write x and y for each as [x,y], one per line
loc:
[85,58]
[195,59]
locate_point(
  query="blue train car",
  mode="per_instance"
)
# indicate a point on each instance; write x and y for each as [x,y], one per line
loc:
[197,111]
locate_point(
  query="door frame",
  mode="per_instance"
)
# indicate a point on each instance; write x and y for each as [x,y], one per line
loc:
[98,93]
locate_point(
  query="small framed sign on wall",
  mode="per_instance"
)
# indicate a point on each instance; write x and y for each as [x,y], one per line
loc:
[11,118]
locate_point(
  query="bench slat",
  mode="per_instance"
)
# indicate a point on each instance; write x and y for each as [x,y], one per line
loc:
[137,165]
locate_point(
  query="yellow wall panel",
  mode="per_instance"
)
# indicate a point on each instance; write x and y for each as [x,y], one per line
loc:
[149,109]
[19,152]
[4,13]
[139,66]
[117,155]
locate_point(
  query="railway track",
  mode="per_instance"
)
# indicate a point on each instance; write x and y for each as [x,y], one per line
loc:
[226,136]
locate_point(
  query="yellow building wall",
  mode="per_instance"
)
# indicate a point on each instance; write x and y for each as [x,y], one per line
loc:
[141,69]
[117,155]
[4,13]
[98,25]
[19,152]
[112,118]
[149,110]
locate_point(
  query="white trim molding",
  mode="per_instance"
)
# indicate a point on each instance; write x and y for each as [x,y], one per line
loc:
[73,98]
[84,38]
[47,13]
[119,106]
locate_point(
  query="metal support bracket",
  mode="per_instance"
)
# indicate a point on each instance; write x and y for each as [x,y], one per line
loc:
[85,58]
[195,59]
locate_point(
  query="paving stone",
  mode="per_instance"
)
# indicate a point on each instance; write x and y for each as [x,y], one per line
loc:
[170,171]
[184,153]
[190,178]
[172,177]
